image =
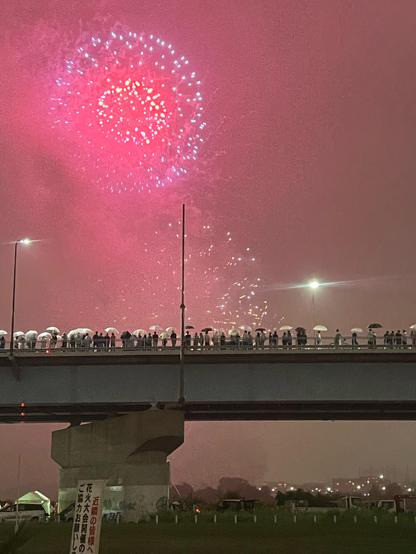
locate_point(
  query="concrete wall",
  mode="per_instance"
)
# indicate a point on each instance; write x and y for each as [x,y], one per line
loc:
[259,381]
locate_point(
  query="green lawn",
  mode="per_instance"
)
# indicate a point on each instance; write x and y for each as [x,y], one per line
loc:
[247,537]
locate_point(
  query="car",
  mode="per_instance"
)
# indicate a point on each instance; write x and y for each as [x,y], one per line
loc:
[26,512]
[236,505]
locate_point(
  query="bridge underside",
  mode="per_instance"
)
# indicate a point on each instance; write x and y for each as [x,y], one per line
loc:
[221,411]
[75,387]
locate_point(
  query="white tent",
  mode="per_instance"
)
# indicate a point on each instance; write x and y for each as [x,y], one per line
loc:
[36,497]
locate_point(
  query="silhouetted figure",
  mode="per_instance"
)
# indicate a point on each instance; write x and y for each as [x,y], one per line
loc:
[337,339]
[64,340]
[95,340]
[188,340]
[173,339]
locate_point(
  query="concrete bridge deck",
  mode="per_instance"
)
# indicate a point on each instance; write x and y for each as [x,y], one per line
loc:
[230,385]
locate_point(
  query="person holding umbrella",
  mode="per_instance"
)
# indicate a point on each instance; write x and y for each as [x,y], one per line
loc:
[113,342]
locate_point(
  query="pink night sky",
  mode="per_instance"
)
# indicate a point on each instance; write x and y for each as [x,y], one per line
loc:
[304,120]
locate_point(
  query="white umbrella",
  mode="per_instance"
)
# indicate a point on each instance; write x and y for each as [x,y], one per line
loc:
[163,335]
[111,330]
[44,336]
[18,334]
[411,327]
[155,328]
[245,328]
[31,334]
[321,328]
[3,333]
[53,330]
[356,330]
[233,332]
[170,329]
[85,330]
[285,328]
[139,332]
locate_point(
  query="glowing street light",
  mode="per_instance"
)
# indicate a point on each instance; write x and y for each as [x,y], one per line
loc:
[21,242]
[313,285]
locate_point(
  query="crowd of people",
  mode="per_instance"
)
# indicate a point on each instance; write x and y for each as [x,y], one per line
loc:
[208,339]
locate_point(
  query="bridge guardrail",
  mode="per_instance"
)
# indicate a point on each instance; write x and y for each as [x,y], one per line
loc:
[326,344]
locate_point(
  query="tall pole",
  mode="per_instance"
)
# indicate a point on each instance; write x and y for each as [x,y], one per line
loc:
[16,244]
[182,346]
[313,308]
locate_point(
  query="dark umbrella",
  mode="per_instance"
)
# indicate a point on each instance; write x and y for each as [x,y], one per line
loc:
[260,329]
[299,329]
[375,326]
[125,335]
[189,327]
[206,329]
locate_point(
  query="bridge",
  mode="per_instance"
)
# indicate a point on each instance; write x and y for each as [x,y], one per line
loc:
[133,421]
[311,384]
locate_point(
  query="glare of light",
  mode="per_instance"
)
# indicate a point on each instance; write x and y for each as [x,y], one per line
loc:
[314,284]
[25,241]
[381,476]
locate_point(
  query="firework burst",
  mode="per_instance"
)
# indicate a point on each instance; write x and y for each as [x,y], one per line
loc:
[133,111]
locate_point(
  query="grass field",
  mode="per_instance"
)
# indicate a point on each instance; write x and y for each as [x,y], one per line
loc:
[245,537]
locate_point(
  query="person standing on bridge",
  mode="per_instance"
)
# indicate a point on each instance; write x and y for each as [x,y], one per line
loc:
[222,340]
[404,339]
[338,339]
[196,341]
[398,339]
[107,341]
[95,340]
[64,340]
[188,340]
[354,340]
[318,339]
[173,338]
[155,340]
[413,337]
[113,342]
[2,343]
[87,342]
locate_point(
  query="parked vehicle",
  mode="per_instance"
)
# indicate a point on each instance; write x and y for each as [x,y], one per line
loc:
[236,505]
[23,512]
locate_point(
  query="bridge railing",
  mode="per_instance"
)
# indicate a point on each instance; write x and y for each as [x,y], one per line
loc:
[312,344]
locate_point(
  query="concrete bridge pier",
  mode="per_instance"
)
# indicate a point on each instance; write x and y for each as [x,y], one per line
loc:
[129,452]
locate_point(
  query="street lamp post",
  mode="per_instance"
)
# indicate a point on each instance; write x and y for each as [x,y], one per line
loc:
[313,285]
[24,242]
[182,346]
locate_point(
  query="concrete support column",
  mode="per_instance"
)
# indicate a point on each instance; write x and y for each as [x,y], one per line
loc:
[129,452]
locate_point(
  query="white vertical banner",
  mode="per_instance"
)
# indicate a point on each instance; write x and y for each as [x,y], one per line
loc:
[86,528]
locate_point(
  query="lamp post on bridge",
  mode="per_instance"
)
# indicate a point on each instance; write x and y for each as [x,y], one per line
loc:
[182,307]
[24,242]
[313,285]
